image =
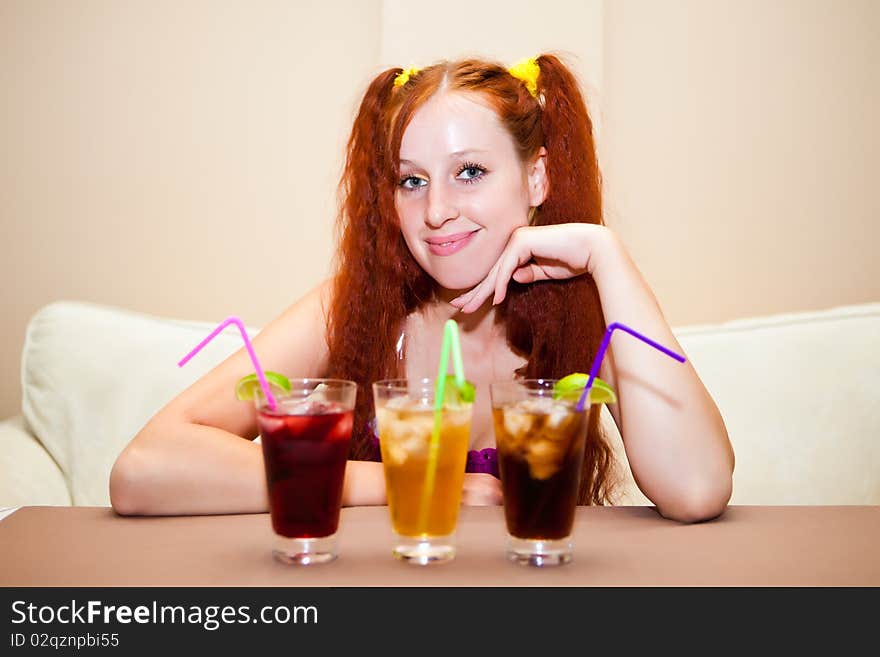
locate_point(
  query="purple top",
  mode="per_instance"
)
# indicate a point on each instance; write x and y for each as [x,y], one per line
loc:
[482,460]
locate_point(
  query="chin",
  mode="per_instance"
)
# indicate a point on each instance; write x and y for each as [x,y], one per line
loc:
[457,279]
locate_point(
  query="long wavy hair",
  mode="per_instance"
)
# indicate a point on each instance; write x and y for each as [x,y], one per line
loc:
[555,325]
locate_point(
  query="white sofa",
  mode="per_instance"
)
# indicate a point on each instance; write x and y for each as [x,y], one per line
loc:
[800,394]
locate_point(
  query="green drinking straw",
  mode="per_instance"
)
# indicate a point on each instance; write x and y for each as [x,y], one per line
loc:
[450,341]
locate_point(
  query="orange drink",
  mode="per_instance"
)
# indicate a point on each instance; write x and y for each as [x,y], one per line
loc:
[424,491]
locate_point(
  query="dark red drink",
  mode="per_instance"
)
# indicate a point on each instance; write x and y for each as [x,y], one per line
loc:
[305,456]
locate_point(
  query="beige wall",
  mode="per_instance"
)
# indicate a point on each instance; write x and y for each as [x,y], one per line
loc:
[177,158]
[741,151]
[180,158]
[500,29]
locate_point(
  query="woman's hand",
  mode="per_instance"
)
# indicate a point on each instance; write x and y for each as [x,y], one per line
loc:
[480,489]
[536,253]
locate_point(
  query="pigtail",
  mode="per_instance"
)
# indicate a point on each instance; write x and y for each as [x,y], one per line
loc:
[571,153]
[569,342]
[364,263]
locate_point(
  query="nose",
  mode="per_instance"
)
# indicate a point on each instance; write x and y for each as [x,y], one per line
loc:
[441,206]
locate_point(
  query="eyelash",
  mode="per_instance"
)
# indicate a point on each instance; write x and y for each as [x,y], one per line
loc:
[464,167]
[471,165]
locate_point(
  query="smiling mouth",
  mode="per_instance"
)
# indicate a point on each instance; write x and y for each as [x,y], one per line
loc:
[449,244]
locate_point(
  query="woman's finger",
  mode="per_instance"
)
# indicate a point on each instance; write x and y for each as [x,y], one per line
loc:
[531,254]
[515,255]
[480,293]
[464,299]
[529,273]
[461,300]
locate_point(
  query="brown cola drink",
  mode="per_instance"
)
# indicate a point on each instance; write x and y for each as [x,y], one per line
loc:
[540,454]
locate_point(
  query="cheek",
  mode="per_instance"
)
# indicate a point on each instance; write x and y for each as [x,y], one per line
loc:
[501,212]
[505,202]
[408,216]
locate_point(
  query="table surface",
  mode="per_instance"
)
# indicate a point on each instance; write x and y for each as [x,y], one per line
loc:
[614,546]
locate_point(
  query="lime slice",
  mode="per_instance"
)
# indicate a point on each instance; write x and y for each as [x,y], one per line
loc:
[248,386]
[453,395]
[571,387]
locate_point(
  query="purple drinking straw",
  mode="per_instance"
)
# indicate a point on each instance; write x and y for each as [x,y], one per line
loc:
[247,344]
[606,340]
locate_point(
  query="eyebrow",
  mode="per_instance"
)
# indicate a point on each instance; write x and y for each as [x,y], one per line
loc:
[454,154]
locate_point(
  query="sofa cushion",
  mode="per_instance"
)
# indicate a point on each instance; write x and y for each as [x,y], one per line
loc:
[800,395]
[798,392]
[28,474]
[92,376]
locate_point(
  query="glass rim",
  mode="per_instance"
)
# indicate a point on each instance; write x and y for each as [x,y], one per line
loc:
[505,393]
[335,383]
[301,388]
[538,384]
[403,383]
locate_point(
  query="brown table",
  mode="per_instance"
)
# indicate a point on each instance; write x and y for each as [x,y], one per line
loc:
[622,546]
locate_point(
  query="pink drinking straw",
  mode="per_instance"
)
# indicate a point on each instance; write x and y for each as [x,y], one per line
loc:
[247,344]
[606,340]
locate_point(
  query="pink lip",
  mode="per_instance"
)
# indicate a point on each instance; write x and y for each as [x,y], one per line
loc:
[449,244]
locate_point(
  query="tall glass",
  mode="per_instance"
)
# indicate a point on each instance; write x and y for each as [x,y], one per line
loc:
[540,442]
[305,448]
[423,504]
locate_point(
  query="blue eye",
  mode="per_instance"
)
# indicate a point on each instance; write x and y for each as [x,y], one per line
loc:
[474,172]
[406,182]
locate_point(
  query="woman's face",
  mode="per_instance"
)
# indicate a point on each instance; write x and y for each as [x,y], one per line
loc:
[462,189]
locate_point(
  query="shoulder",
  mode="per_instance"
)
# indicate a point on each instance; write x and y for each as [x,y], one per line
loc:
[313,306]
[295,341]
[319,299]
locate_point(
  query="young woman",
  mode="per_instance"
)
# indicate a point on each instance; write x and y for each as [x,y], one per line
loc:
[470,191]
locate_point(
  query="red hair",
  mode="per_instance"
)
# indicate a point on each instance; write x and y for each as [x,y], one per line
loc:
[555,325]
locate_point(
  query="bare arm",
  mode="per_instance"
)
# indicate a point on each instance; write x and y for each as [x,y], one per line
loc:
[674,436]
[673,433]
[197,455]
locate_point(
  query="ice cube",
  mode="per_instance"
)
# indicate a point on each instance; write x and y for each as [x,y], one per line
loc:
[321,407]
[415,433]
[294,407]
[414,444]
[319,393]
[382,416]
[395,454]
[342,428]
[456,417]
[544,458]
[400,446]
[558,419]
[270,425]
[517,423]
[404,431]
[538,405]
[397,403]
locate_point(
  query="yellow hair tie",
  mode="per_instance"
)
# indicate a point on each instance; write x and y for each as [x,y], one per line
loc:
[527,70]
[403,77]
